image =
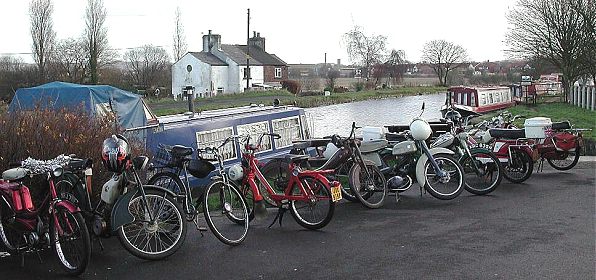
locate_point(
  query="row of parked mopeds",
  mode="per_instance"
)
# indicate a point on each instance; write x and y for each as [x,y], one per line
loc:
[151,220]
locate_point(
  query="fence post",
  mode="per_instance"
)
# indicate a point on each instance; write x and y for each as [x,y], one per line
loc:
[593,97]
[575,89]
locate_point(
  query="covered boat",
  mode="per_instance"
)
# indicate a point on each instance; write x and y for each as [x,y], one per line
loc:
[478,99]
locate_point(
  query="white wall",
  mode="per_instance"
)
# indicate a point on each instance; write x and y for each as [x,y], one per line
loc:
[256,73]
[219,76]
[199,77]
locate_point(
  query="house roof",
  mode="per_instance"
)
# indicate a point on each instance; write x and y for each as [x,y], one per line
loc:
[258,56]
[209,58]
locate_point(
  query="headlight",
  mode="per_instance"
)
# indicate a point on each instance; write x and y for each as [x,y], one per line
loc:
[57,171]
[235,172]
[420,129]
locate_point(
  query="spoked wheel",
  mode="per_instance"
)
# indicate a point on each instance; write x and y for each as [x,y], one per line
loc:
[249,199]
[483,172]
[158,239]
[448,187]
[519,168]
[226,212]
[317,211]
[12,238]
[71,241]
[167,180]
[369,186]
[565,160]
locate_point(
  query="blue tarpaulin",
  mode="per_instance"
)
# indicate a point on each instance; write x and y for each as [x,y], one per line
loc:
[95,99]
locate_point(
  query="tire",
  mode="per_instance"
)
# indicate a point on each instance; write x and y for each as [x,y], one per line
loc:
[483,176]
[226,212]
[569,161]
[170,216]
[313,219]
[73,244]
[342,174]
[167,180]
[370,190]
[11,237]
[249,199]
[444,190]
[521,167]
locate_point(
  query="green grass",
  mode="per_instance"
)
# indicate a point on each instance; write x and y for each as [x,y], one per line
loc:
[168,106]
[578,117]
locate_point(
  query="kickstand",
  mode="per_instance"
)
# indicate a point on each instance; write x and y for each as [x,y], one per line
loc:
[100,243]
[420,191]
[283,207]
[39,257]
[23,259]
[199,228]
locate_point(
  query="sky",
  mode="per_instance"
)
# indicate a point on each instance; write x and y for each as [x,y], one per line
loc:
[296,31]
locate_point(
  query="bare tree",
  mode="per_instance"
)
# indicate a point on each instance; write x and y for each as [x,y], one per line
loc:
[96,37]
[179,38]
[560,31]
[332,76]
[365,50]
[42,33]
[70,60]
[148,66]
[443,57]
[14,74]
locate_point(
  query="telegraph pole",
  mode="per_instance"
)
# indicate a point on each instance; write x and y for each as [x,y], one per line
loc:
[248,51]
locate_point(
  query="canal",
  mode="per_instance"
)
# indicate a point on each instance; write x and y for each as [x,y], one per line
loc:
[337,119]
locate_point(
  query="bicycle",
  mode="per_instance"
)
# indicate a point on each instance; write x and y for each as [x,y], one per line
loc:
[295,190]
[221,200]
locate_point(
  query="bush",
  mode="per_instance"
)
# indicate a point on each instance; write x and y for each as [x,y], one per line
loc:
[44,134]
[291,85]
[340,89]
[310,93]
[358,86]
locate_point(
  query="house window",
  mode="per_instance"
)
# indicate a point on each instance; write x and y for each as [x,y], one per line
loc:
[245,72]
[277,72]
[220,90]
[289,130]
[214,138]
[255,130]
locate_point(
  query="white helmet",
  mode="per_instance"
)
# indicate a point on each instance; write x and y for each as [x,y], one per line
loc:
[235,172]
[420,129]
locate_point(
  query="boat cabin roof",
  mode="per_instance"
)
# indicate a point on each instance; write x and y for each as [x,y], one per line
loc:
[221,114]
[475,89]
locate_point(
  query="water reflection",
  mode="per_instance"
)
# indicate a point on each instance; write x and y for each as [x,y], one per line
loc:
[338,118]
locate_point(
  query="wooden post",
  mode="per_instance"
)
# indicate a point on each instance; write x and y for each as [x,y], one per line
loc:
[593,97]
[574,96]
[585,101]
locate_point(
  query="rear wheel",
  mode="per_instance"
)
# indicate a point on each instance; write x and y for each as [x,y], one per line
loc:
[483,172]
[11,237]
[519,168]
[448,187]
[565,160]
[157,239]
[71,241]
[226,212]
[369,186]
[168,181]
[317,211]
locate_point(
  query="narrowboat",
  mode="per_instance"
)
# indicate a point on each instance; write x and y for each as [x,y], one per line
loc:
[478,99]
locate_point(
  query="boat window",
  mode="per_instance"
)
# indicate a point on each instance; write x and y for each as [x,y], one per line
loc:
[255,130]
[473,100]
[214,138]
[288,129]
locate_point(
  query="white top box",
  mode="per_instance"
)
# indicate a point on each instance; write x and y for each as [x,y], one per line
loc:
[370,133]
[537,127]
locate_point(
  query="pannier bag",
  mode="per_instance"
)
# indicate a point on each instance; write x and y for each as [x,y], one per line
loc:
[564,141]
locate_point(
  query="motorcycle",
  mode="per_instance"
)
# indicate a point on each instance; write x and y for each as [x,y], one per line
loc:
[26,227]
[148,219]
[435,169]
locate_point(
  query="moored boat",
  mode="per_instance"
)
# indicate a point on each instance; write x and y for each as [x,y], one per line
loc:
[478,99]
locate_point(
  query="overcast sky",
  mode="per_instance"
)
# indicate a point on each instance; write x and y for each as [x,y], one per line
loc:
[297,31]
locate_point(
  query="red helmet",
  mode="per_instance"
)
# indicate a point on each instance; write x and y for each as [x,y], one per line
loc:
[115,153]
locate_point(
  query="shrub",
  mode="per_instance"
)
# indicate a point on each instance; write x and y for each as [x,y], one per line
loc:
[340,89]
[291,85]
[358,86]
[44,134]
[310,93]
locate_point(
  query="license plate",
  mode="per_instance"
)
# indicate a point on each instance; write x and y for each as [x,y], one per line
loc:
[335,193]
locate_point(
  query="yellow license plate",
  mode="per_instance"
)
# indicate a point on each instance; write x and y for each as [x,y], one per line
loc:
[335,193]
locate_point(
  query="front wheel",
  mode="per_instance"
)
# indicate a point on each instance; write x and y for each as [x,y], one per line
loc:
[70,240]
[369,184]
[445,187]
[483,172]
[158,238]
[564,160]
[317,210]
[226,212]
[519,168]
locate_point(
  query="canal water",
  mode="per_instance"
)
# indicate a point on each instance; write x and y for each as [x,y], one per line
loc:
[337,119]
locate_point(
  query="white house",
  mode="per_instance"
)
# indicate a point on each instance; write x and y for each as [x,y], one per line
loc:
[220,68]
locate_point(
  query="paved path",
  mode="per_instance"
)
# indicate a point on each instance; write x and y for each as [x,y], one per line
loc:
[543,229]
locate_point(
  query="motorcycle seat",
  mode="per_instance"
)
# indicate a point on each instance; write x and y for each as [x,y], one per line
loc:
[79,164]
[296,158]
[561,125]
[317,142]
[181,151]
[14,174]
[507,133]
[373,145]
[395,137]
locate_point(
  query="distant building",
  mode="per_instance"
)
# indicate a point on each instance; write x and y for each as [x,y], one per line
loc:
[221,68]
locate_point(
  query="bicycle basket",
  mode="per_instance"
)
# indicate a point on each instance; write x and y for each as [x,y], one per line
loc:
[164,158]
[200,168]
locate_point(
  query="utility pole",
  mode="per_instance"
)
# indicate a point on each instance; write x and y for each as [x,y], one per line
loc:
[248,51]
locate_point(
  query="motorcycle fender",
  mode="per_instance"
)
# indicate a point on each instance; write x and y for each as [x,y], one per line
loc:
[374,157]
[120,213]
[422,162]
[69,206]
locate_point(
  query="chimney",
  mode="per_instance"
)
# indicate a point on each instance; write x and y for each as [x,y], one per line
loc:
[211,41]
[257,40]
[338,62]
